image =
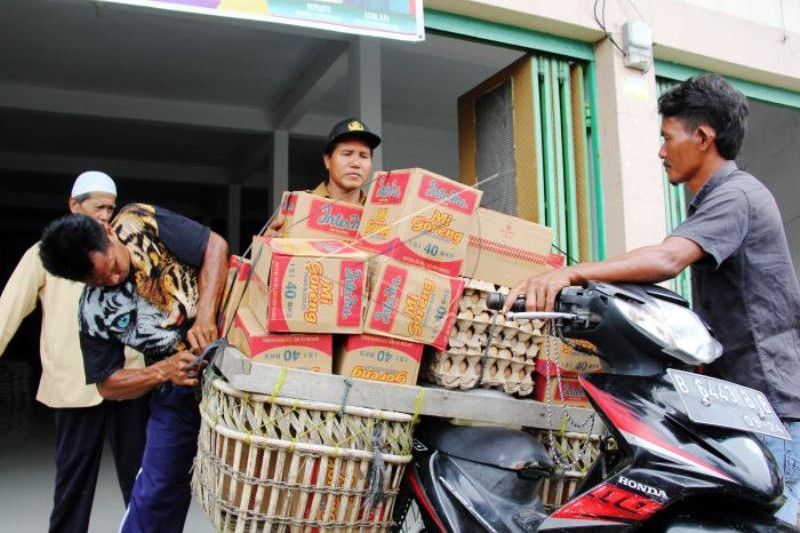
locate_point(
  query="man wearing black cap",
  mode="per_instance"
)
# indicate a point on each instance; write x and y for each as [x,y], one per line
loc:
[348,159]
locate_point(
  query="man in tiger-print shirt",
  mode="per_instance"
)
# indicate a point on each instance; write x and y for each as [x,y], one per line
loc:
[154,281]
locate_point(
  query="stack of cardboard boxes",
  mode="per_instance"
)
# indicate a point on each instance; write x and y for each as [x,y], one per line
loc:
[359,291]
[382,277]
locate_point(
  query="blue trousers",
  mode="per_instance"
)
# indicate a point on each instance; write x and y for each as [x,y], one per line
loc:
[80,432]
[161,493]
[787,455]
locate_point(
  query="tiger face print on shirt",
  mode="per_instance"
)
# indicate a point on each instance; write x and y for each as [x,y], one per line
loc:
[121,315]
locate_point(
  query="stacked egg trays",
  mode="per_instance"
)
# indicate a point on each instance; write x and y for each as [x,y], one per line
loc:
[512,347]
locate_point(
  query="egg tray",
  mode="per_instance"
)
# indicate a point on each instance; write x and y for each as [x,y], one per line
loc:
[463,371]
[511,354]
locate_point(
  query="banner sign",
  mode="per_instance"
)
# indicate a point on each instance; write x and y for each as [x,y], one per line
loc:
[393,19]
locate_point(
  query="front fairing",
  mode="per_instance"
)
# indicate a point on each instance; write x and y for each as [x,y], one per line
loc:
[670,452]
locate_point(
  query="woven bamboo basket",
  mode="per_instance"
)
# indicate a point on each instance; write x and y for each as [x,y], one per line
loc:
[572,448]
[266,463]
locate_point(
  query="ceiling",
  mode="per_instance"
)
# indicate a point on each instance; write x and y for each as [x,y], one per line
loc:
[133,88]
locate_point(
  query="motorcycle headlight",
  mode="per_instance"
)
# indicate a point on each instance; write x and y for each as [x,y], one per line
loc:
[680,332]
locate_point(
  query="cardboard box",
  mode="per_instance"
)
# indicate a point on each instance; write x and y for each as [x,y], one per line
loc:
[379,359]
[570,360]
[573,392]
[307,286]
[313,217]
[419,218]
[506,250]
[292,350]
[411,303]
[233,297]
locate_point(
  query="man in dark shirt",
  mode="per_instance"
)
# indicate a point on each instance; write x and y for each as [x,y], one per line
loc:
[745,285]
[154,281]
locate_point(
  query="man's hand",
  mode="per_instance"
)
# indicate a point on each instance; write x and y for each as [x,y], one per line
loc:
[541,291]
[202,333]
[178,369]
[276,226]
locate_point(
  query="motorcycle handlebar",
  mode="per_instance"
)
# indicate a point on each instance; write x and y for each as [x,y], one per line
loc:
[495,302]
[539,315]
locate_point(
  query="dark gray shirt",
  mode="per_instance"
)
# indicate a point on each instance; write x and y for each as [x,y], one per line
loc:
[746,287]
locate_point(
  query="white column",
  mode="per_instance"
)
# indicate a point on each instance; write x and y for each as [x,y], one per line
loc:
[234,217]
[629,143]
[280,167]
[364,90]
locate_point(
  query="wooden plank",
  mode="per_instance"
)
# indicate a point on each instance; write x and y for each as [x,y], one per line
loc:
[478,405]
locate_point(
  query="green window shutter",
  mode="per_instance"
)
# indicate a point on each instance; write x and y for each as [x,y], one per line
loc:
[568,194]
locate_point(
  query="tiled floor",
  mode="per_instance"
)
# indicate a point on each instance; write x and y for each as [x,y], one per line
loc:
[27,443]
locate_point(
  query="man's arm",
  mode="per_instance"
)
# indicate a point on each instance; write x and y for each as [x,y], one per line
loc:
[649,264]
[213,273]
[20,294]
[125,384]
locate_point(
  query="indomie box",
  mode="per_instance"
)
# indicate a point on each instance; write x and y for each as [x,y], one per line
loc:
[293,350]
[238,274]
[411,303]
[307,286]
[419,218]
[379,359]
[507,250]
[312,217]
[569,359]
[547,388]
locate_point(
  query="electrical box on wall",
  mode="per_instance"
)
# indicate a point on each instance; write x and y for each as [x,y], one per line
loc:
[637,42]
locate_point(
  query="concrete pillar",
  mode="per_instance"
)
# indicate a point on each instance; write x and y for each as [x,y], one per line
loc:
[629,143]
[364,86]
[234,217]
[280,167]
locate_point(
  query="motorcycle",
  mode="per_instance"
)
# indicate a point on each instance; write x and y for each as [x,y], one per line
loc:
[679,454]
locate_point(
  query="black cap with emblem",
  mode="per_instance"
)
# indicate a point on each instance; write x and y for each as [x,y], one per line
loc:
[351,128]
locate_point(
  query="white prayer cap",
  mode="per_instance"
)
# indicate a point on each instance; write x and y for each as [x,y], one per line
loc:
[93,181]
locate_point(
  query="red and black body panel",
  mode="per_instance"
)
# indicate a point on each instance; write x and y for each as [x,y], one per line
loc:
[665,460]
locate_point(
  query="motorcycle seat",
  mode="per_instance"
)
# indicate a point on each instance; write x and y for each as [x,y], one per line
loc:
[500,447]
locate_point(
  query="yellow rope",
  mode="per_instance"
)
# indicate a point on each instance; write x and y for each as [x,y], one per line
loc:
[278,384]
[418,407]
[405,447]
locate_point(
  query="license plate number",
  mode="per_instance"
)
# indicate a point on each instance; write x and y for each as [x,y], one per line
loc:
[720,403]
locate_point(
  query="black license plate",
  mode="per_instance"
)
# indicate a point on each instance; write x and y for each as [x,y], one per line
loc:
[721,403]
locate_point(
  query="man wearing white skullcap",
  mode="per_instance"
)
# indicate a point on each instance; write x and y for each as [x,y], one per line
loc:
[93,181]
[82,416]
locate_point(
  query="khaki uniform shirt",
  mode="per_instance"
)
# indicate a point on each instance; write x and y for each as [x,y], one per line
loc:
[63,382]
